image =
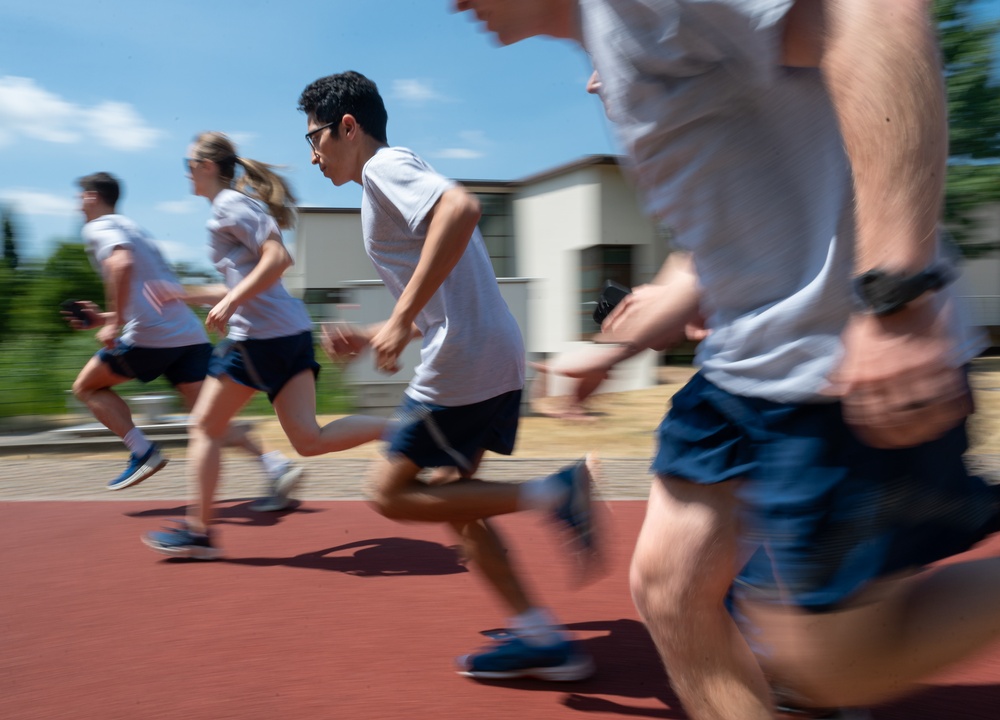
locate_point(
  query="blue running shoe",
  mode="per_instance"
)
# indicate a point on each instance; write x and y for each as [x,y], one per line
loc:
[181,542]
[139,468]
[513,658]
[577,513]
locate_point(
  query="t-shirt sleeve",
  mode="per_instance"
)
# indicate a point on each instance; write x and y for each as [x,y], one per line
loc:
[682,39]
[103,238]
[245,222]
[405,187]
[746,35]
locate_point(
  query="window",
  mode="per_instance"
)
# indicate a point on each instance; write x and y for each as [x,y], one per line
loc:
[497,227]
[597,264]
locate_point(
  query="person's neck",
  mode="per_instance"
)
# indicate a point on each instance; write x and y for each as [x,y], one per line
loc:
[214,191]
[367,152]
[100,212]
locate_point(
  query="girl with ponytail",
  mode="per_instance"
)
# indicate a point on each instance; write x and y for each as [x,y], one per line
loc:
[269,345]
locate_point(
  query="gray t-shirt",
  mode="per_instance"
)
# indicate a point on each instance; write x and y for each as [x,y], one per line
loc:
[172,325]
[743,159]
[472,347]
[238,228]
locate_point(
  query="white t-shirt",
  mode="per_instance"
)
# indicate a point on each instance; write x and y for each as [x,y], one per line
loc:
[472,347]
[743,160]
[174,325]
[238,228]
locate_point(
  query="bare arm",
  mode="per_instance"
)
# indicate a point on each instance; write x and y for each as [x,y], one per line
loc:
[654,317]
[879,59]
[274,260]
[451,224]
[117,272]
[898,379]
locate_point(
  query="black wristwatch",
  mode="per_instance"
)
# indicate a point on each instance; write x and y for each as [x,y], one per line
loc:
[883,293]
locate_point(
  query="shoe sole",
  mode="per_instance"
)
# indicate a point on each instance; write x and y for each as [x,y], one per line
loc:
[288,481]
[190,552]
[146,471]
[282,489]
[579,669]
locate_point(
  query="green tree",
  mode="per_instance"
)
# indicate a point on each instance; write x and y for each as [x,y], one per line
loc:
[967,48]
[9,242]
[66,275]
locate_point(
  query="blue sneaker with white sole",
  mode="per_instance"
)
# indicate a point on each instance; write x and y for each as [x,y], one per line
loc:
[139,468]
[512,658]
[182,542]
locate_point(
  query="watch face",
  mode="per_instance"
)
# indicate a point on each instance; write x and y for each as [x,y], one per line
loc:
[884,293]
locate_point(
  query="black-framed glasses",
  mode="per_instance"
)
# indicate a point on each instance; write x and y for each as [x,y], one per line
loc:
[189,164]
[312,133]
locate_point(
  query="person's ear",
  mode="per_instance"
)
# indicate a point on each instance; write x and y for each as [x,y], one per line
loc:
[349,127]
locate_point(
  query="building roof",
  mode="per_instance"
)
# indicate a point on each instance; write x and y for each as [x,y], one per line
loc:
[505,186]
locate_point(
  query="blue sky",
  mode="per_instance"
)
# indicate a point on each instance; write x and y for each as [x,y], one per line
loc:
[123,86]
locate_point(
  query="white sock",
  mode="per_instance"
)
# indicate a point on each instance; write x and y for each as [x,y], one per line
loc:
[536,627]
[137,442]
[274,462]
[541,494]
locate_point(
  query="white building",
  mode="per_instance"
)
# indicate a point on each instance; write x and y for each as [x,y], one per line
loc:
[562,233]
[556,236]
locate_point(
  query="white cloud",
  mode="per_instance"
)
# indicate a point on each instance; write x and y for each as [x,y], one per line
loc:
[118,126]
[415,91]
[241,139]
[458,154]
[473,141]
[179,207]
[36,202]
[29,110]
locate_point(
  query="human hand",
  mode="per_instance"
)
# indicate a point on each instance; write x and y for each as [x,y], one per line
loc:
[82,314]
[107,335]
[388,344]
[649,317]
[218,316]
[898,381]
[343,342]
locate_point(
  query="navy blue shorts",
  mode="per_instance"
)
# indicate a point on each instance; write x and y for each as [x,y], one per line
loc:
[265,365]
[437,436]
[186,364]
[825,514]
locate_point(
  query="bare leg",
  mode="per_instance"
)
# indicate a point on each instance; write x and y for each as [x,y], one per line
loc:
[685,561]
[295,407]
[891,638]
[399,495]
[236,435]
[93,386]
[218,402]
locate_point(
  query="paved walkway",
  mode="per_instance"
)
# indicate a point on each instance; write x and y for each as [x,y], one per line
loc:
[327,478]
[58,477]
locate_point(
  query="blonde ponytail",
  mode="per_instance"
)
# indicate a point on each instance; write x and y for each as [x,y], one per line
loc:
[258,180]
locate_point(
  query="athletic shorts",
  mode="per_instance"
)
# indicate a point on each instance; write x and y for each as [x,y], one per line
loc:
[436,436]
[824,514]
[185,364]
[265,365]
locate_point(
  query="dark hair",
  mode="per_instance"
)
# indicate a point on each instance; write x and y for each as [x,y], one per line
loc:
[106,186]
[258,179]
[328,99]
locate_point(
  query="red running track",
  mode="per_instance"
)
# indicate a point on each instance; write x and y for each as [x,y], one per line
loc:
[327,612]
